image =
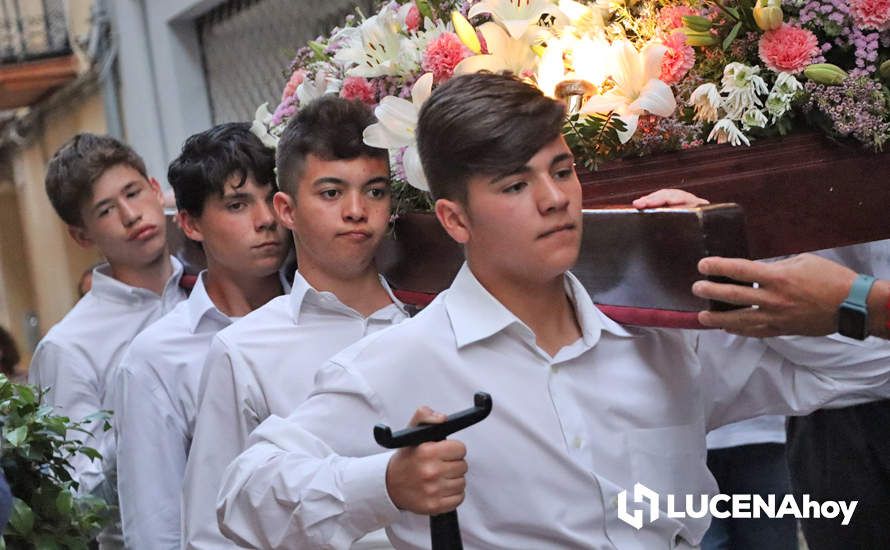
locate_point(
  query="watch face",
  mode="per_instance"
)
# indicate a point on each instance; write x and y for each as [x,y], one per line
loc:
[851,323]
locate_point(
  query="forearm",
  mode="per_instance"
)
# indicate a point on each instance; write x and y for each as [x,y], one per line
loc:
[878,307]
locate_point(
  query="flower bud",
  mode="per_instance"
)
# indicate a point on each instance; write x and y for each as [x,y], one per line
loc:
[767,17]
[884,69]
[697,23]
[465,32]
[825,73]
[697,38]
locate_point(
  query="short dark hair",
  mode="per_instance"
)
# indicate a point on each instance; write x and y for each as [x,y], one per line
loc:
[482,124]
[329,127]
[9,353]
[210,158]
[76,166]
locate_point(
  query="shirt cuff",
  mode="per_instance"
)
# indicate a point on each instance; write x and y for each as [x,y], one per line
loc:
[364,489]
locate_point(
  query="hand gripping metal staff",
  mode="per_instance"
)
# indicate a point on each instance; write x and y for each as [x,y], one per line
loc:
[444,529]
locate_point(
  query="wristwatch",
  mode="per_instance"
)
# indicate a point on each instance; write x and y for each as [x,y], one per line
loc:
[852,315]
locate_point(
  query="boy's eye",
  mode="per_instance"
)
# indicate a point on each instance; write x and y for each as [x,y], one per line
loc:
[104,212]
[378,192]
[515,188]
[564,173]
[235,206]
[133,193]
[330,193]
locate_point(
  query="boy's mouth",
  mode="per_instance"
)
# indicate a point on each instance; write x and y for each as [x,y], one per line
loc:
[143,233]
[356,234]
[557,229]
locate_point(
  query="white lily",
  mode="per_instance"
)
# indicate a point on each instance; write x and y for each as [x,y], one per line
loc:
[504,53]
[726,131]
[312,89]
[515,15]
[637,88]
[396,126]
[706,100]
[585,19]
[260,126]
[374,48]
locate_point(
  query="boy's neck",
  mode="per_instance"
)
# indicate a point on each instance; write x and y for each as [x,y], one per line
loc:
[153,276]
[544,307]
[362,292]
[236,295]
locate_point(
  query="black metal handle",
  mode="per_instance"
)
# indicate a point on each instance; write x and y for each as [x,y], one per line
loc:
[414,436]
[444,529]
[445,532]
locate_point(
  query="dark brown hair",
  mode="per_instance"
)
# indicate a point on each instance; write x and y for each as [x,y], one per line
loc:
[482,124]
[9,353]
[209,158]
[329,127]
[77,165]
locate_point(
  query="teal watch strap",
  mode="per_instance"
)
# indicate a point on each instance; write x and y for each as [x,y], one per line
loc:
[859,293]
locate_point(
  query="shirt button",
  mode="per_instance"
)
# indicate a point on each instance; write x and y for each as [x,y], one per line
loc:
[553,369]
[578,442]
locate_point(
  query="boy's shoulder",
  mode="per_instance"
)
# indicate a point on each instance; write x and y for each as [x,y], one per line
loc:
[272,317]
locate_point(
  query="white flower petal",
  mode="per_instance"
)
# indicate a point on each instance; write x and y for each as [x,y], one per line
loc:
[398,115]
[421,90]
[414,169]
[630,123]
[477,63]
[377,135]
[605,103]
[655,98]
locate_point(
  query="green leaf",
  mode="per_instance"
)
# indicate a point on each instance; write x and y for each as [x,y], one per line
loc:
[64,503]
[91,452]
[319,50]
[423,6]
[17,436]
[26,395]
[21,520]
[46,542]
[731,36]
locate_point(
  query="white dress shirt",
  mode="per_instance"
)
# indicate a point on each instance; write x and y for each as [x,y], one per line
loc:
[262,365]
[76,359]
[155,403]
[567,433]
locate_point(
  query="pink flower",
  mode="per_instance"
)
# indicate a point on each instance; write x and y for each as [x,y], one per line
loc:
[291,87]
[357,87]
[671,17]
[788,49]
[678,59]
[442,55]
[413,19]
[871,14]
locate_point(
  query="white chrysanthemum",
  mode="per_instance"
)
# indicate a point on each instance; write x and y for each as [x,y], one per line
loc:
[706,100]
[725,131]
[754,118]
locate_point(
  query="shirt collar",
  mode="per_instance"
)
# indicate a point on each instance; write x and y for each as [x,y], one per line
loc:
[200,305]
[301,289]
[107,287]
[475,314]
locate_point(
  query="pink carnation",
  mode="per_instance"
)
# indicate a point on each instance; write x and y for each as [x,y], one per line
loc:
[871,14]
[788,49]
[671,17]
[678,59]
[413,19]
[356,87]
[442,55]
[291,87]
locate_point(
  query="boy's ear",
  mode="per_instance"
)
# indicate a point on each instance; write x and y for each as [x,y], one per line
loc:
[284,206]
[156,189]
[190,226]
[80,236]
[453,217]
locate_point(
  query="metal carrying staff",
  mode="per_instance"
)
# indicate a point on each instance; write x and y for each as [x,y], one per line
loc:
[444,529]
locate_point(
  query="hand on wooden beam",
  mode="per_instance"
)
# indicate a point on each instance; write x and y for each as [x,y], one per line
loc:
[669,197]
[799,295]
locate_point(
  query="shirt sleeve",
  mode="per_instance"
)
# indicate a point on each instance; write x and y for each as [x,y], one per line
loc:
[152,446]
[314,480]
[74,391]
[745,377]
[226,416]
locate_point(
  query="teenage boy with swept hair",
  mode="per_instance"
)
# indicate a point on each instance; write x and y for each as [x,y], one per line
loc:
[335,197]
[100,189]
[224,180]
[583,408]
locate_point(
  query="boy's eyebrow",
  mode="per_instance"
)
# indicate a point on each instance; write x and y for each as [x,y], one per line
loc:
[241,195]
[327,179]
[378,179]
[526,168]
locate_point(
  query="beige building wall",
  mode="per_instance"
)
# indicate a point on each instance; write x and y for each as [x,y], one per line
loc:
[55,261]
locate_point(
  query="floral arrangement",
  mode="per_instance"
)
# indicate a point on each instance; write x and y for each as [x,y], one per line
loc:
[638,76]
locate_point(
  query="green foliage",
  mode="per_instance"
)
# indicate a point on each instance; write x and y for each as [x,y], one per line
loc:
[47,512]
[593,138]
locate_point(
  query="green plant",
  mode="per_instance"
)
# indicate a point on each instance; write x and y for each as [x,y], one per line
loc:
[37,445]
